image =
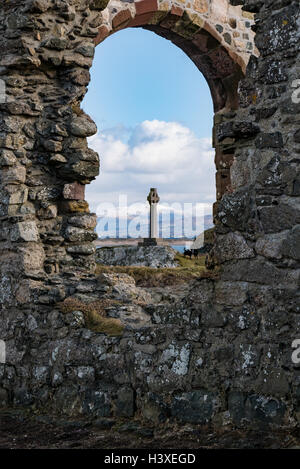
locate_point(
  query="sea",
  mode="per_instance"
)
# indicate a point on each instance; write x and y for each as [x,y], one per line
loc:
[180,248]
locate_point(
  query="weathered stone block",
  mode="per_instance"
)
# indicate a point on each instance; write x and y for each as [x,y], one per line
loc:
[84,221]
[7,158]
[146,6]
[74,191]
[195,407]
[234,210]
[232,293]
[157,256]
[83,249]
[273,140]
[201,6]
[264,409]
[121,18]
[53,146]
[259,271]
[33,257]
[25,231]
[75,206]
[124,404]
[278,217]
[79,235]
[83,126]
[13,175]
[47,213]
[291,244]
[270,245]
[232,246]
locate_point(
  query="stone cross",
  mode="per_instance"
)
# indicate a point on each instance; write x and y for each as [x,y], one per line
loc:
[153,200]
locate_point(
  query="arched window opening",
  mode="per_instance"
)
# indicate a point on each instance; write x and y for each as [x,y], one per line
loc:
[154,114]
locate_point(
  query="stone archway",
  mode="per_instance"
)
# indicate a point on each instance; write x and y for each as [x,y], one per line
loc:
[53,229]
[215,35]
[234,325]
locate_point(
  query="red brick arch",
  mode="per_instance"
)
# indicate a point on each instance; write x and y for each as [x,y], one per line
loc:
[207,31]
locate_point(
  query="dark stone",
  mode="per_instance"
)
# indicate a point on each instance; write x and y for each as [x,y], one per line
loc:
[278,217]
[273,71]
[297,136]
[236,130]
[234,210]
[95,403]
[291,245]
[283,25]
[275,176]
[125,403]
[256,270]
[274,140]
[212,318]
[154,409]
[195,407]
[132,427]
[55,43]
[296,187]
[263,113]
[264,410]
[236,406]
[104,423]
[23,397]
[227,38]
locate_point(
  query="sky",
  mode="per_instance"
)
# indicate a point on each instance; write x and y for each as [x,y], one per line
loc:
[154,114]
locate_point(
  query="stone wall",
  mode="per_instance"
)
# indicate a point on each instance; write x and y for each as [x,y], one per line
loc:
[222,354]
[143,256]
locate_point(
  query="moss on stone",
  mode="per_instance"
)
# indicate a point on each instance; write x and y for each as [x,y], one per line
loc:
[110,326]
[94,315]
[99,4]
[77,206]
[76,109]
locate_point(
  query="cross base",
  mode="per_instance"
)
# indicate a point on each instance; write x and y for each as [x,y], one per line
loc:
[151,242]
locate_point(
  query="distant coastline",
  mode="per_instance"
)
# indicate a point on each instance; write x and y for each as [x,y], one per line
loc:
[135,241]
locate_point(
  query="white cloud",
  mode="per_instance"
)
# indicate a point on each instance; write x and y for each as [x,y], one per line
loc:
[159,154]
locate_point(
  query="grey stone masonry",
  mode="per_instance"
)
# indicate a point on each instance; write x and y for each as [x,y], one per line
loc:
[143,256]
[224,353]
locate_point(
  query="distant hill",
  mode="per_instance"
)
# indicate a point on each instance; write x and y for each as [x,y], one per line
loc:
[112,228]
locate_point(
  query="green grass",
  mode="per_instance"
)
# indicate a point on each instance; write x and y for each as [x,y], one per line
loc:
[95,312]
[188,270]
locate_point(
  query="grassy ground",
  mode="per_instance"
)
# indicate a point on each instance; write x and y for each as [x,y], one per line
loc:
[95,312]
[188,269]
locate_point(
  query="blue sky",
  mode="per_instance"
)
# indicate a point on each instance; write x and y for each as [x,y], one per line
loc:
[139,76]
[154,115]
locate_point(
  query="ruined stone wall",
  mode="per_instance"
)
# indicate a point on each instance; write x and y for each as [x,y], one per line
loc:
[223,353]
